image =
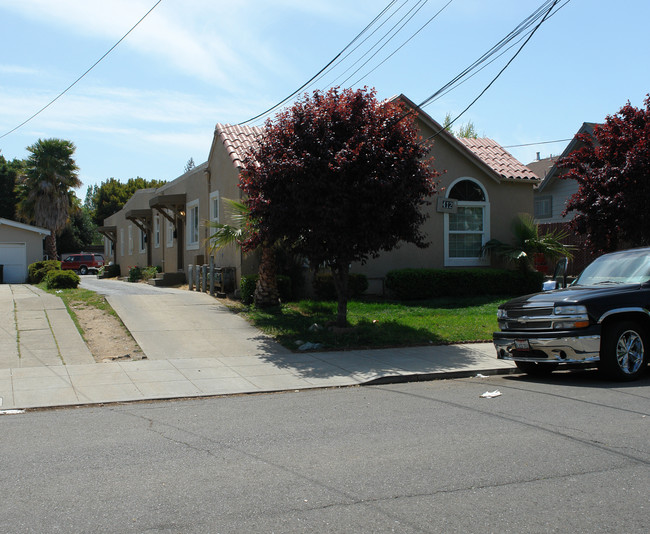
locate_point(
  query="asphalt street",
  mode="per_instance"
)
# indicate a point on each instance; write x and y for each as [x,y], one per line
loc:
[569,453]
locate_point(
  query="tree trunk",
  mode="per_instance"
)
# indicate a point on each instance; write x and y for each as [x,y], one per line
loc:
[341,276]
[50,247]
[266,290]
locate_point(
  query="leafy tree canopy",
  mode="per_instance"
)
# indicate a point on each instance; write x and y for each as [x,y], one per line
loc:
[111,195]
[464,130]
[341,177]
[9,172]
[45,188]
[613,175]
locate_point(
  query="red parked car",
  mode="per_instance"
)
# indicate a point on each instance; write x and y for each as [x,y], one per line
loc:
[83,262]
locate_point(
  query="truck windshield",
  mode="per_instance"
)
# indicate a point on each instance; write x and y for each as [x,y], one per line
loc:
[626,268]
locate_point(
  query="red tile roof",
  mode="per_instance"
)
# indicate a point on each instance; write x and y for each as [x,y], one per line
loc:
[238,140]
[499,159]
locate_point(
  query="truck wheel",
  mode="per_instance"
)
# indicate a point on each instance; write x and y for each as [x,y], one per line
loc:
[622,352]
[83,270]
[536,369]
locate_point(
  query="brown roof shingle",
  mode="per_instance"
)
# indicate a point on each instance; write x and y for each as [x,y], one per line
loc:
[238,140]
[499,159]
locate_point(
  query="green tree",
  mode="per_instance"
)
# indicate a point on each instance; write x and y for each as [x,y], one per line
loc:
[45,189]
[190,165]
[111,195]
[80,232]
[464,130]
[9,172]
[527,243]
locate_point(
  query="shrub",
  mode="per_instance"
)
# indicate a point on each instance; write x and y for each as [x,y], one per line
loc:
[412,284]
[109,271]
[62,280]
[325,289]
[135,274]
[39,269]
[150,272]
[248,283]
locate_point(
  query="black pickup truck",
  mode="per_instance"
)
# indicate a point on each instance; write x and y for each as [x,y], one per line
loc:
[602,319]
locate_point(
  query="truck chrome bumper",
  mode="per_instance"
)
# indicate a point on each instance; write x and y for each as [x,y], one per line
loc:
[579,349]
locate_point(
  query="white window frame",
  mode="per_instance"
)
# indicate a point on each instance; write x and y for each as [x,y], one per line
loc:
[169,231]
[471,261]
[142,241]
[156,231]
[192,233]
[121,241]
[215,211]
[130,230]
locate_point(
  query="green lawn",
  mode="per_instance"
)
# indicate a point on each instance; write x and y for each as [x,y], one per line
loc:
[376,324]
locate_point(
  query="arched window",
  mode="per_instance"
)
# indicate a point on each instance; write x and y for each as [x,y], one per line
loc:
[467,230]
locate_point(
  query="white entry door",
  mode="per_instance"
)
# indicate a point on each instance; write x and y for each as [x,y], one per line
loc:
[13,257]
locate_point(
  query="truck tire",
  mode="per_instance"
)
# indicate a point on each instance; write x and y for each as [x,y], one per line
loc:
[622,351]
[536,369]
[83,270]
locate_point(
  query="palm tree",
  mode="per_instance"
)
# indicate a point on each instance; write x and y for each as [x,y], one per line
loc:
[44,191]
[242,229]
[529,242]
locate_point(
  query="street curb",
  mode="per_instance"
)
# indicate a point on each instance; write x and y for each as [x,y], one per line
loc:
[428,377]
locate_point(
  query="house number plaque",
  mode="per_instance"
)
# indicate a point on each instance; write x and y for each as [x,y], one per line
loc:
[447,205]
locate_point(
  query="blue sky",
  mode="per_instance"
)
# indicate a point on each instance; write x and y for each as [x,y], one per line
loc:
[153,102]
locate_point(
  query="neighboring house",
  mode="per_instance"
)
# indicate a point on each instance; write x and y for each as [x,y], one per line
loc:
[167,226]
[20,245]
[481,190]
[551,197]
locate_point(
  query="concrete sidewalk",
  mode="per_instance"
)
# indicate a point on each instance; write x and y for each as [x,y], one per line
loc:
[195,347]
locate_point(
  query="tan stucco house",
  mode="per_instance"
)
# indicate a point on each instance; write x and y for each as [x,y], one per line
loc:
[481,190]
[20,245]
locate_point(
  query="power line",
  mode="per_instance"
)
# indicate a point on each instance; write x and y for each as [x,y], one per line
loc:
[83,75]
[403,44]
[334,59]
[506,65]
[515,33]
[541,143]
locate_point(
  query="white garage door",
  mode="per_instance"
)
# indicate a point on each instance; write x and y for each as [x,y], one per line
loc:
[14,258]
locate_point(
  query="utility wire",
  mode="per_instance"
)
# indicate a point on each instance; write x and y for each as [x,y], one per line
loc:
[540,143]
[502,70]
[84,74]
[408,16]
[335,58]
[403,44]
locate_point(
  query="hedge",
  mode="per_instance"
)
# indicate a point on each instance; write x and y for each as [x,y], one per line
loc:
[325,289]
[39,269]
[412,284]
[62,280]
[109,271]
[248,283]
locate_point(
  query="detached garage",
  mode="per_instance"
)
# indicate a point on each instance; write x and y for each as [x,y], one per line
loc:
[20,245]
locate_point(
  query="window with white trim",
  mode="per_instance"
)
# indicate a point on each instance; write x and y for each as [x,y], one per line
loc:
[142,241]
[130,239]
[156,231]
[121,241]
[170,231]
[193,225]
[467,230]
[214,212]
